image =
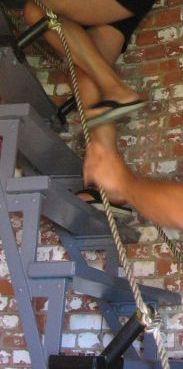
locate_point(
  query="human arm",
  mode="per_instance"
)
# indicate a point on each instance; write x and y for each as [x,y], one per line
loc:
[160,201]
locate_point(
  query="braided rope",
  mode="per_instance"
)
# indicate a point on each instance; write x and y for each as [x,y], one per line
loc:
[122,252]
[57,26]
[173,248]
[147,319]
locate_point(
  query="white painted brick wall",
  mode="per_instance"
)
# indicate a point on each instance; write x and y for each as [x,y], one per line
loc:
[88,340]
[21,357]
[85,321]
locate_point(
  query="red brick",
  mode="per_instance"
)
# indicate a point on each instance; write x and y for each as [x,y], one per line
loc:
[144,168]
[6,288]
[149,69]
[138,251]
[168,66]
[174,48]
[147,38]
[174,137]
[134,56]
[14,340]
[163,266]
[41,319]
[146,53]
[175,120]
[178,150]
[39,303]
[154,52]
[174,284]
[172,77]
[167,18]
[148,21]
[180,339]
[160,251]
[57,77]
[174,2]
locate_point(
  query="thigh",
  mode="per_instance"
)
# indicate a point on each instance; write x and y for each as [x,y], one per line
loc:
[90,12]
[108,41]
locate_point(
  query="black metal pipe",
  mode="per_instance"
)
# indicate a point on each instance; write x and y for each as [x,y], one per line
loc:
[33,32]
[124,339]
[78,362]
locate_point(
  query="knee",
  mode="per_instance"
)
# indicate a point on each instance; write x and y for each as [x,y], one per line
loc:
[32,13]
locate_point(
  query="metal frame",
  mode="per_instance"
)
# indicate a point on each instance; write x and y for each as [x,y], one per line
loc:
[55,174]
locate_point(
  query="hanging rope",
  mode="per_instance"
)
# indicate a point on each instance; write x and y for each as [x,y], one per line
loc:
[153,326]
[56,25]
[173,248]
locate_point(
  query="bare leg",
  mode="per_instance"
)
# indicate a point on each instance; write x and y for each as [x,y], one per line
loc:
[101,155]
[92,12]
[101,36]
[87,57]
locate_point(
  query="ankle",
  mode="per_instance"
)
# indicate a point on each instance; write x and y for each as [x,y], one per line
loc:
[104,137]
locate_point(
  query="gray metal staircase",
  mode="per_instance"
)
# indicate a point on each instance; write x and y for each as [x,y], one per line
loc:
[54,175]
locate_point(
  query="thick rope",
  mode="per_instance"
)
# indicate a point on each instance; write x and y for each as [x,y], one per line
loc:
[173,248]
[147,319]
[57,26]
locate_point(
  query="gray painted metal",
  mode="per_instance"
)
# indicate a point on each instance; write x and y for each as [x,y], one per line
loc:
[28,185]
[55,270]
[142,364]
[13,69]
[9,132]
[53,290]
[104,285]
[20,286]
[66,210]
[31,205]
[19,85]
[40,145]
[150,348]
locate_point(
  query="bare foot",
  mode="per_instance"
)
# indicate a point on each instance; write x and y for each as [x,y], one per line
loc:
[103,166]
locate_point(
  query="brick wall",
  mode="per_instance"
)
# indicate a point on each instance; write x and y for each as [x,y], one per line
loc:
[152,143]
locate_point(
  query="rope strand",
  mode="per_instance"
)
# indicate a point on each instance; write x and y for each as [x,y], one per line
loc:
[57,26]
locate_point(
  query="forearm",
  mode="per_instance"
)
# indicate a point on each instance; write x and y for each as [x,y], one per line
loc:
[162,202]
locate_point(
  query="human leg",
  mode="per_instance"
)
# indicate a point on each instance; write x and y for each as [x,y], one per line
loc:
[87,57]
[103,139]
[89,13]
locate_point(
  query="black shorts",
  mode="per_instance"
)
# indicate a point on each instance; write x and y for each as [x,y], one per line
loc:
[127,26]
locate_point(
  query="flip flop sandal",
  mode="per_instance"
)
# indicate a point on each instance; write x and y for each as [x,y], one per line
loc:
[115,112]
[118,211]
